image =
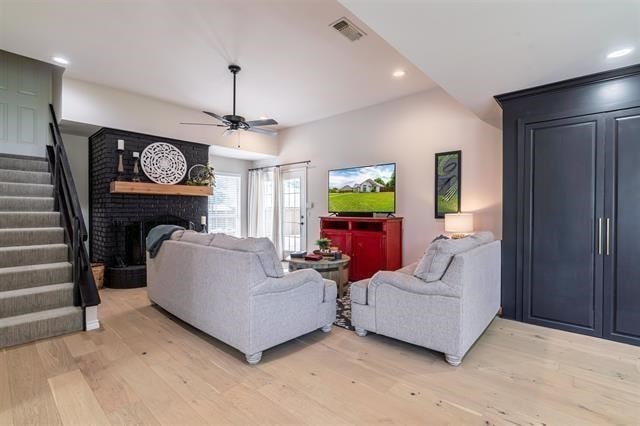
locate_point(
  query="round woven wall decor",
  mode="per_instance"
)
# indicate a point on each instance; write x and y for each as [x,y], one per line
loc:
[163,163]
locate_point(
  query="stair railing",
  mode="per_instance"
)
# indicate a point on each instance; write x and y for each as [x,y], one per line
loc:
[85,292]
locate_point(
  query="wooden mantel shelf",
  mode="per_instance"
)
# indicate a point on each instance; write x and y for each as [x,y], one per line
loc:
[145,188]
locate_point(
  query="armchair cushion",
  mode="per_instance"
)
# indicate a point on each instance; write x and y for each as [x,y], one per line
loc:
[436,260]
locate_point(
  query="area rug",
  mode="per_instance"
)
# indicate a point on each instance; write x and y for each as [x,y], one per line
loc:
[343,310]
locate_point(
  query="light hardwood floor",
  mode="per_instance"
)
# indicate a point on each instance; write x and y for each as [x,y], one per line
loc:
[143,366]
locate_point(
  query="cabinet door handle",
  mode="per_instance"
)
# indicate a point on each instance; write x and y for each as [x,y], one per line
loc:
[599,236]
[608,237]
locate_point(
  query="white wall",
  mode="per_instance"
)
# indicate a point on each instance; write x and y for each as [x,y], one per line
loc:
[103,106]
[241,167]
[408,131]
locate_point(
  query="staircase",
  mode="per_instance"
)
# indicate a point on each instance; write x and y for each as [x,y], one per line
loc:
[36,283]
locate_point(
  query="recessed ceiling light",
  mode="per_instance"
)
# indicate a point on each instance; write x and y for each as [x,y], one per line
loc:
[398,73]
[620,52]
[262,117]
[61,60]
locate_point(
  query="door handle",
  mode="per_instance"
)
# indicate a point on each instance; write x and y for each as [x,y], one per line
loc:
[599,236]
[608,236]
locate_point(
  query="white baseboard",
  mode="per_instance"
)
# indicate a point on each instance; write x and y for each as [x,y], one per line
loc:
[91,318]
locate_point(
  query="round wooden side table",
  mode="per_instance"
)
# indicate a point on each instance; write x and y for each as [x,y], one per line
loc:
[336,270]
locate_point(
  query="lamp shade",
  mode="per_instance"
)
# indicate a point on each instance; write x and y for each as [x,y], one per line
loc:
[458,222]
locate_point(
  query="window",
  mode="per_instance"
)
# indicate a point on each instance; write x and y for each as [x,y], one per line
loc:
[224,205]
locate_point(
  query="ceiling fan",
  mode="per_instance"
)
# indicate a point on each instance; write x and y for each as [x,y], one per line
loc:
[234,122]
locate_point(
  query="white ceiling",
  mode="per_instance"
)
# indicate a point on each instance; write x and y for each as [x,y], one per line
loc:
[296,68]
[476,49]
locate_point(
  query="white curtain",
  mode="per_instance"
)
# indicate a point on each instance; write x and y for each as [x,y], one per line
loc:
[264,205]
[254,202]
[276,232]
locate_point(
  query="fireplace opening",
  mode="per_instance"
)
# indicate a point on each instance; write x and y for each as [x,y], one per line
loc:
[129,267]
[134,244]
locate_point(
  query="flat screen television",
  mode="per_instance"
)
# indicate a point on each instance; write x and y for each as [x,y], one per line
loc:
[363,190]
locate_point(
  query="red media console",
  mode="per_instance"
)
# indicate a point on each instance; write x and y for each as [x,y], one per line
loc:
[374,244]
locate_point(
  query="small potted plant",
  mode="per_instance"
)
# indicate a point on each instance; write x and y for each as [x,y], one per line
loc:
[324,244]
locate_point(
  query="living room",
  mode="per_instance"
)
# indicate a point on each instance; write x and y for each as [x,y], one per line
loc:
[264,212]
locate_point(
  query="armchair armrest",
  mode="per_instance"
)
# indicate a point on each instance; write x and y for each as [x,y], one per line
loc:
[290,281]
[407,283]
[330,291]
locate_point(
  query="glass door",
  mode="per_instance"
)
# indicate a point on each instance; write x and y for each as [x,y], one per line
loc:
[294,209]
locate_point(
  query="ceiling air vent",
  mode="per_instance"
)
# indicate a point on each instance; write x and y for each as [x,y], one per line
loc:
[348,29]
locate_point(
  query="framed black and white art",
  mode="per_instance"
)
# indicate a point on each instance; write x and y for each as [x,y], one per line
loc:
[447,183]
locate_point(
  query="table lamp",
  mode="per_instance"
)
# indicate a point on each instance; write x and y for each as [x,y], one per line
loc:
[458,225]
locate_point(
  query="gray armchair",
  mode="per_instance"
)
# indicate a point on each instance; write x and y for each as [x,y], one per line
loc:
[234,289]
[447,315]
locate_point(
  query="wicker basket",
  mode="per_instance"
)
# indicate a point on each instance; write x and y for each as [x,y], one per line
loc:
[98,274]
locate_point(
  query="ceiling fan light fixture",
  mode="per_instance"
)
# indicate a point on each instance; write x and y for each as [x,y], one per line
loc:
[234,122]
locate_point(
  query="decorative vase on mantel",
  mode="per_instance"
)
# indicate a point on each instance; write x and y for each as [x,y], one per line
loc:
[120,160]
[136,167]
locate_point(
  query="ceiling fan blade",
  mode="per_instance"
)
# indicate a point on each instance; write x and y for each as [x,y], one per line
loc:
[205,124]
[214,115]
[262,131]
[228,132]
[266,122]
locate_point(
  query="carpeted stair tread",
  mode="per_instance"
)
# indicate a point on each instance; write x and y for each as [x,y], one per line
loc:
[31,236]
[26,189]
[26,204]
[28,300]
[36,288]
[27,276]
[32,255]
[29,219]
[22,176]
[38,325]
[24,164]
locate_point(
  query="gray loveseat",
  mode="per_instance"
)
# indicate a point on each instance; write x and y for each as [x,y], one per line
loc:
[447,314]
[234,290]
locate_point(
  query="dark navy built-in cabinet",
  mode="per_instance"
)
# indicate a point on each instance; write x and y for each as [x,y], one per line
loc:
[571,207]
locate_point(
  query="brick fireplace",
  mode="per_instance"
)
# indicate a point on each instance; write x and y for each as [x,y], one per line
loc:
[118,223]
